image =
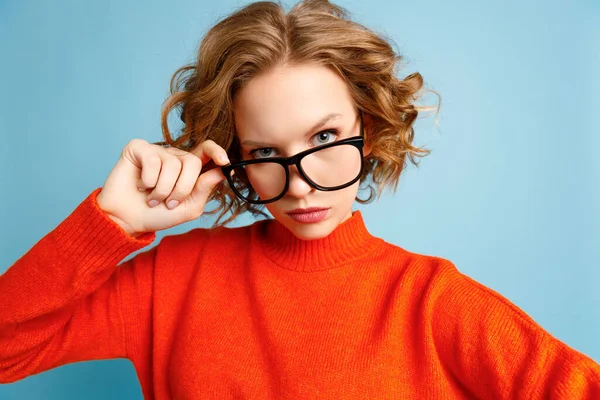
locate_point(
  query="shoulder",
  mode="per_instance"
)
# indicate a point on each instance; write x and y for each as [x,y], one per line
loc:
[410,262]
[447,283]
[451,295]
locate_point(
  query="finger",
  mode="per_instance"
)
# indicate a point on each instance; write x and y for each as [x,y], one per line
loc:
[169,173]
[176,151]
[209,150]
[191,167]
[203,188]
[150,164]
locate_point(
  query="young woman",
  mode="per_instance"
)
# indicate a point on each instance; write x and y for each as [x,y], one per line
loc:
[291,112]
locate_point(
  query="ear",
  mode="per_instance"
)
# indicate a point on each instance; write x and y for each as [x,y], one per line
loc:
[368,130]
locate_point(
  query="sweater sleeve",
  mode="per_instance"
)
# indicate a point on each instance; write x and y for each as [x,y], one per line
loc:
[495,350]
[61,301]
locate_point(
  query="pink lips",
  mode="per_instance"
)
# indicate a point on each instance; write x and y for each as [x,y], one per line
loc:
[308,215]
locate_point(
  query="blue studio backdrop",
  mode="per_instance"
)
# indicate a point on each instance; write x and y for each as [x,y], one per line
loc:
[510,192]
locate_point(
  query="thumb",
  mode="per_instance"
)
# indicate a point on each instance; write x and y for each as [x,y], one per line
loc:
[204,186]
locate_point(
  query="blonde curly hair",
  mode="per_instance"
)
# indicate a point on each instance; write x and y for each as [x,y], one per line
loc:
[261,36]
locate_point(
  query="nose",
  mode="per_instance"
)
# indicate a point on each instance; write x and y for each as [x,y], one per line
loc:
[298,187]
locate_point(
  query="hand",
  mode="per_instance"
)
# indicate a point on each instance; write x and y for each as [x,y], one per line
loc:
[149,177]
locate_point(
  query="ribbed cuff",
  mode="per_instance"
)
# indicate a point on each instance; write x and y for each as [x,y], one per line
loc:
[89,236]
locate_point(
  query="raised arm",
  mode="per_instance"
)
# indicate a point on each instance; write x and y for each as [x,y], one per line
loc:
[64,300]
[60,302]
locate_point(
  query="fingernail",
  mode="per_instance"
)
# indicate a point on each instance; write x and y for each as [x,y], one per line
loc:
[141,189]
[224,158]
[153,203]
[172,204]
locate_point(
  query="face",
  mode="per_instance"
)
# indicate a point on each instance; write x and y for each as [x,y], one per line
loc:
[290,109]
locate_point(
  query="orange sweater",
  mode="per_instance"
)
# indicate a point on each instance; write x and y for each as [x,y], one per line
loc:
[255,313]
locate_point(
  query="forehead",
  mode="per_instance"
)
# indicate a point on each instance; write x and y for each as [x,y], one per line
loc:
[290,99]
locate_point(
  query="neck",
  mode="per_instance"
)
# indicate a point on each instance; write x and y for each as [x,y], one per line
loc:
[350,240]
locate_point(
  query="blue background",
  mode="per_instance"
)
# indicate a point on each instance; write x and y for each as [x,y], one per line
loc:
[510,192]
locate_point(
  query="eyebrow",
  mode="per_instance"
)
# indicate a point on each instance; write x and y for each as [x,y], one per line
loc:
[318,125]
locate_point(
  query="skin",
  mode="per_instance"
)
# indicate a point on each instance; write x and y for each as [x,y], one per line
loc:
[277,111]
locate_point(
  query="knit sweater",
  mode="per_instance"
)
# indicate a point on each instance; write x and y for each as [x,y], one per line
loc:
[255,313]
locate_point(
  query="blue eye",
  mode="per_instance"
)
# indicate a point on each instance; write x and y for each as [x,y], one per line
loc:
[318,139]
[324,137]
[267,152]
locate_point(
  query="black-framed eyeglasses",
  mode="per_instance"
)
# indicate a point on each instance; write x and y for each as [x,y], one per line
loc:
[329,167]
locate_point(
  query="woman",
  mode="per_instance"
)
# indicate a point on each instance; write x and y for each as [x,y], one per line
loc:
[291,112]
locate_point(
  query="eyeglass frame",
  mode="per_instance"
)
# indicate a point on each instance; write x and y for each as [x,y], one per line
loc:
[286,162]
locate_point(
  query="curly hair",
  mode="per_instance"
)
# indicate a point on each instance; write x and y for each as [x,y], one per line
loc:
[261,36]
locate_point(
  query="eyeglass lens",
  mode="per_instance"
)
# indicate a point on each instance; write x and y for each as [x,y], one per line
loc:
[329,168]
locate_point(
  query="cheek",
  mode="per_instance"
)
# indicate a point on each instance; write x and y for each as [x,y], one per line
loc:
[348,195]
[333,167]
[268,180]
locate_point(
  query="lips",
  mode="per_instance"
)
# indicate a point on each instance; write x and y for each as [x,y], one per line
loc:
[309,215]
[306,210]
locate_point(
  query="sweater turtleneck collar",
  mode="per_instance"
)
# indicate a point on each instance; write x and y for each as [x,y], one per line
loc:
[350,240]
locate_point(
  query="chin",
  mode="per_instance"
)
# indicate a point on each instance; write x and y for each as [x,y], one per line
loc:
[314,231]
